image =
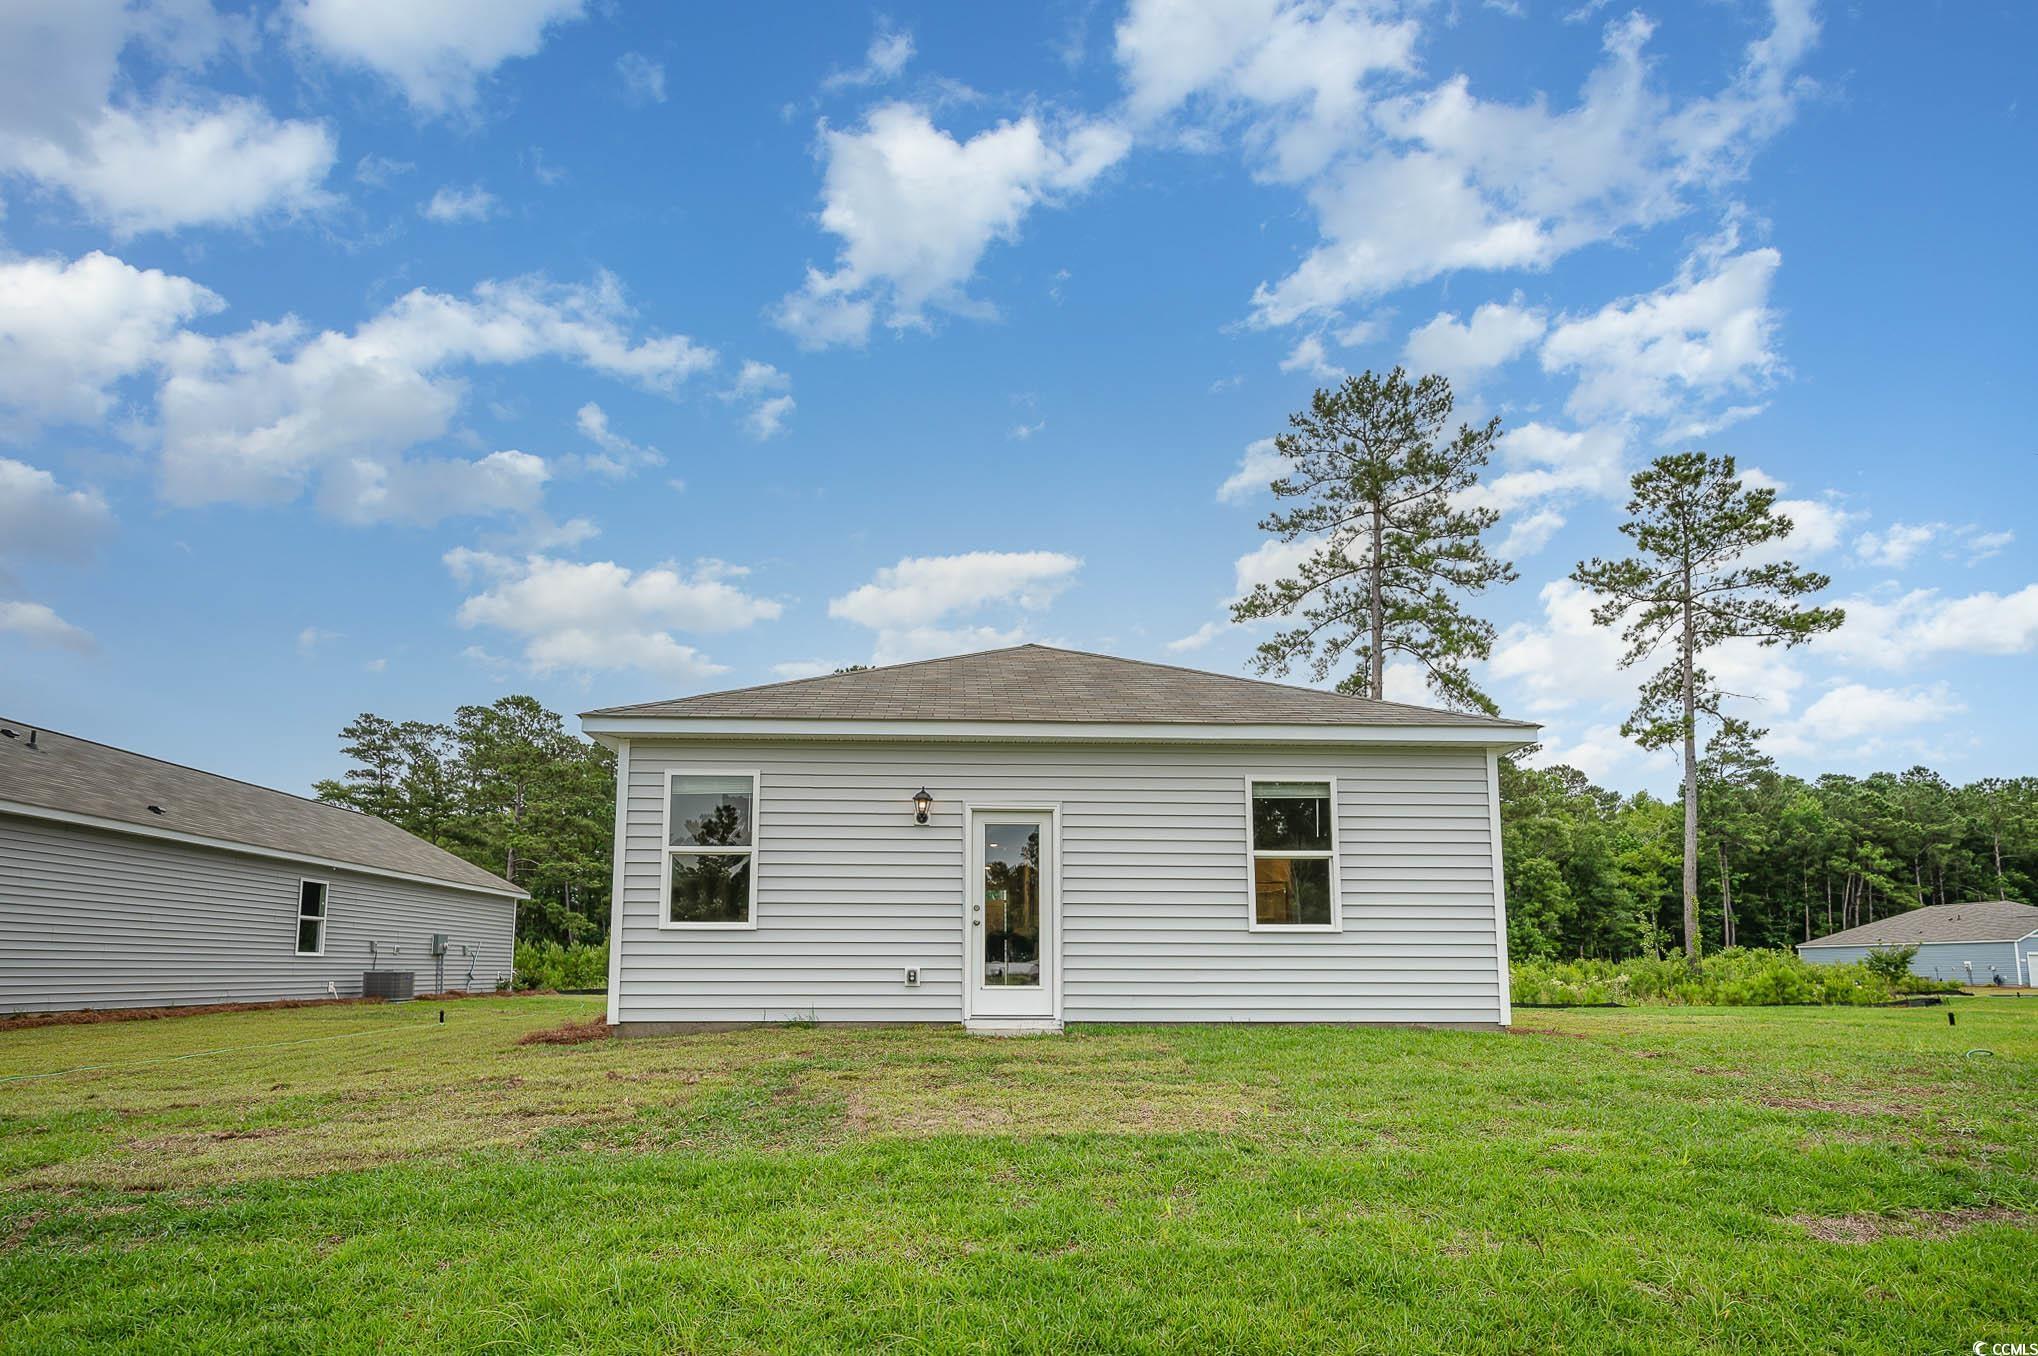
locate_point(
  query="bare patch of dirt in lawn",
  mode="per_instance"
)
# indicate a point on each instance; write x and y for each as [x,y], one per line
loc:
[1841,1107]
[1132,1086]
[1865,1227]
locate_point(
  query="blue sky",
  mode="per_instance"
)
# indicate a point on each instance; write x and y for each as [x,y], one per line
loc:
[386,356]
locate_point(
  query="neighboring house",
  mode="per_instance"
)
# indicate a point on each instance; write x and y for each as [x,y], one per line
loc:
[1992,941]
[128,882]
[1100,840]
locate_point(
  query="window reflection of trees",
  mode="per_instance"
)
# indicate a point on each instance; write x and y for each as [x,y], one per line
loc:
[722,826]
[1011,910]
[1291,822]
[710,889]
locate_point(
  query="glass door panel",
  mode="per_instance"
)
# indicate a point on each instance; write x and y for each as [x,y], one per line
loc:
[1011,885]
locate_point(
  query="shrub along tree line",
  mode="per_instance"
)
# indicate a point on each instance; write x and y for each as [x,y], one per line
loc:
[1736,977]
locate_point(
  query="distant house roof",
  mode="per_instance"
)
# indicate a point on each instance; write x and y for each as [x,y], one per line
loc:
[1989,920]
[1040,683]
[61,777]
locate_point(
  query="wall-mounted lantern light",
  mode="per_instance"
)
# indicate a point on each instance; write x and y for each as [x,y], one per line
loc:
[922,803]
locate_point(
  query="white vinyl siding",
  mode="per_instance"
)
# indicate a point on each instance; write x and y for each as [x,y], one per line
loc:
[850,890]
[91,918]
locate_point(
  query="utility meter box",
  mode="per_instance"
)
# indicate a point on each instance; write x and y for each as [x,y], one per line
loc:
[438,944]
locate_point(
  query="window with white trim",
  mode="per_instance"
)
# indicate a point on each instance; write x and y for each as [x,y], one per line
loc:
[710,849]
[311,917]
[1292,828]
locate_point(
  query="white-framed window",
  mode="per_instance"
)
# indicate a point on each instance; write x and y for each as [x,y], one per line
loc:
[710,848]
[311,917]
[1291,854]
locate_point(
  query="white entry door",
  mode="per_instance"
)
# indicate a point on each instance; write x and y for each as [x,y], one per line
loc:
[1012,909]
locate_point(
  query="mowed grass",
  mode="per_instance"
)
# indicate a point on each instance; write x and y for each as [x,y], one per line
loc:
[363,1178]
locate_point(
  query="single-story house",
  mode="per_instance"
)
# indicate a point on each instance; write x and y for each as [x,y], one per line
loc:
[130,882]
[1992,941]
[1030,836]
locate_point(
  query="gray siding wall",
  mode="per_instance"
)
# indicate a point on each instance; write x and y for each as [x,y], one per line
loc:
[1935,960]
[1153,886]
[105,920]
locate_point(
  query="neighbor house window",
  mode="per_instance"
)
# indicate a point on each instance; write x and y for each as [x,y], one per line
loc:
[1293,840]
[311,917]
[710,849]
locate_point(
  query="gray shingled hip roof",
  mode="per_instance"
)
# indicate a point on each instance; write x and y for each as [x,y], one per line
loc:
[1988,920]
[1038,683]
[65,777]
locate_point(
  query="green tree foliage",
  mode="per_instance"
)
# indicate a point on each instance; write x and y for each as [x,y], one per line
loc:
[1595,875]
[1381,483]
[1587,870]
[505,786]
[1689,588]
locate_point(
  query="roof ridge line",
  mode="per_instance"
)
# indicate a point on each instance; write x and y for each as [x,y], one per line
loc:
[1268,682]
[223,777]
[825,677]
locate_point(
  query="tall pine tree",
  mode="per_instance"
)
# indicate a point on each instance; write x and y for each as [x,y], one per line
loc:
[1693,523]
[1381,482]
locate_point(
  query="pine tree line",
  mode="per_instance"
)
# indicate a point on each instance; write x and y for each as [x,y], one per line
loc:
[1782,859]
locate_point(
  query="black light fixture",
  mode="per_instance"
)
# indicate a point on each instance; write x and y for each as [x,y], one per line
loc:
[922,803]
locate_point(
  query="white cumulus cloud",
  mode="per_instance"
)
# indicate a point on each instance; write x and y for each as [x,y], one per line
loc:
[137,146]
[618,456]
[1475,182]
[1197,639]
[916,209]
[43,518]
[889,51]
[1896,544]
[437,54]
[1260,466]
[451,205]
[1709,333]
[599,615]
[923,589]
[1896,630]
[71,330]
[1292,74]
[42,628]
[255,416]
[1496,334]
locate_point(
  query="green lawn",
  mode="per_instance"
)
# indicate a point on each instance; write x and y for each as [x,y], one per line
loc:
[349,1178]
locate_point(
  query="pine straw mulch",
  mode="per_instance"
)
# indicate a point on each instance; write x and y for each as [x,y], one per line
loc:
[572,1033]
